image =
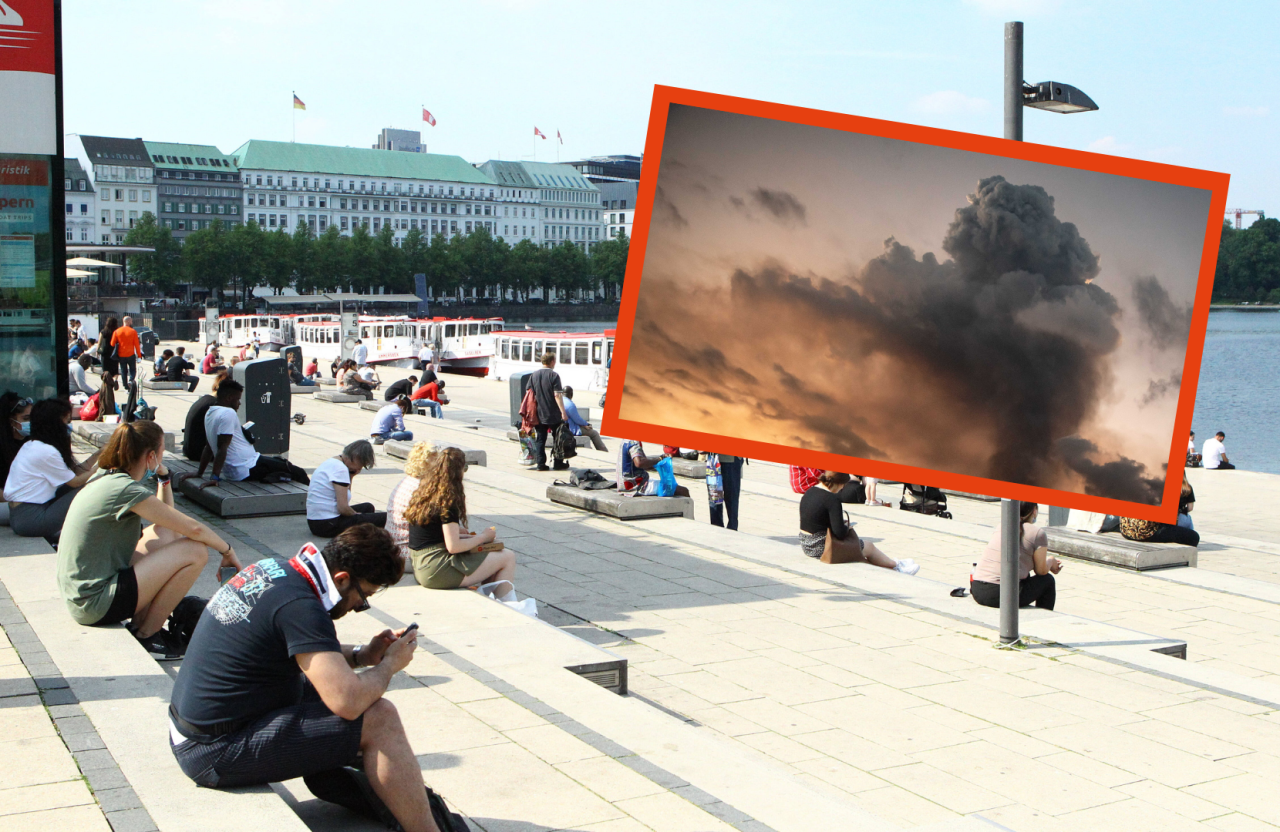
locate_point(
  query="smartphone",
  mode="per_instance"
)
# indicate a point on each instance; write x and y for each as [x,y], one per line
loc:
[410,629]
[225,573]
[248,425]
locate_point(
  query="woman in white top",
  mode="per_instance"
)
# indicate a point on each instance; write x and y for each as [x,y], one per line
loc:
[12,435]
[44,476]
[414,467]
[329,509]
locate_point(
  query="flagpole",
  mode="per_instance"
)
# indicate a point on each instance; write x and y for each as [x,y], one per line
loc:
[293,109]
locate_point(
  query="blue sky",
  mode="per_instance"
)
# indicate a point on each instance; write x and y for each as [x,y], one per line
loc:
[1179,82]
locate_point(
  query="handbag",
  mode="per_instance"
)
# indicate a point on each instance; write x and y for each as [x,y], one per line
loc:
[666,478]
[848,550]
[715,481]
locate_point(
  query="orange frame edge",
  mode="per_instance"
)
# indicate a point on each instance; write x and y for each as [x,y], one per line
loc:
[1214,182]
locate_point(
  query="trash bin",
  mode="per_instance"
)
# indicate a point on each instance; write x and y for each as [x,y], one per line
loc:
[148,339]
[293,355]
[517,384]
[266,402]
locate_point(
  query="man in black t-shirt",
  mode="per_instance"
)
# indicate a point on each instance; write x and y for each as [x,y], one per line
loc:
[267,693]
[176,370]
[403,387]
[549,393]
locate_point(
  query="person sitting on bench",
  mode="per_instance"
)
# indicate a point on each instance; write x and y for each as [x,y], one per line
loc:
[403,387]
[1215,454]
[109,569]
[398,502]
[389,422]
[177,369]
[212,363]
[1193,458]
[351,382]
[1033,557]
[162,361]
[443,549]
[234,458]
[329,508]
[428,396]
[821,511]
[267,693]
[634,467]
[579,426]
[44,477]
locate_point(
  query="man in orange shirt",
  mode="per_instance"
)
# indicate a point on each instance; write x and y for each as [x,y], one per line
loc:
[125,341]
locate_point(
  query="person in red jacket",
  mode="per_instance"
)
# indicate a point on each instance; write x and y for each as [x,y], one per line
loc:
[428,395]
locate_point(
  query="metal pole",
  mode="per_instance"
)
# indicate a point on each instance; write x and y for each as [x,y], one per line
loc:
[1010,526]
[1013,81]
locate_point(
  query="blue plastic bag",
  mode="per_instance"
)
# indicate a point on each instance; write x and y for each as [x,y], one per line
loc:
[667,478]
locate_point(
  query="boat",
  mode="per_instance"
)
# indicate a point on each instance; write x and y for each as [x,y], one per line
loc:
[461,345]
[272,331]
[582,358]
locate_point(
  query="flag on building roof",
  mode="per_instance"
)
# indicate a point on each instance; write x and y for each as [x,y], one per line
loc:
[297,103]
[538,132]
[560,137]
[427,117]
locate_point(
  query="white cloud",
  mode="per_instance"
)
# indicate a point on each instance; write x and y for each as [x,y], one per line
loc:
[1108,144]
[1247,111]
[950,102]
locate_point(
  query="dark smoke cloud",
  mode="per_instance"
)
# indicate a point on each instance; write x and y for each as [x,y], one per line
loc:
[1159,387]
[782,205]
[664,210]
[1120,479]
[1168,324]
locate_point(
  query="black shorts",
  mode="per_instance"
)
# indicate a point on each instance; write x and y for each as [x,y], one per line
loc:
[125,604]
[297,741]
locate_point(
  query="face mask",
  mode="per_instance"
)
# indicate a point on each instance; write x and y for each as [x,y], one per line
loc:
[151,472]
[69,430]
[24,428]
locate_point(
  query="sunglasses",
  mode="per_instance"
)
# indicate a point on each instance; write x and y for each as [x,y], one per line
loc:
[363,606]
[20,404]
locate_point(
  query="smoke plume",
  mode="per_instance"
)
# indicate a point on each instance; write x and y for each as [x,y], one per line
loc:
[1167,323]
[1119,479]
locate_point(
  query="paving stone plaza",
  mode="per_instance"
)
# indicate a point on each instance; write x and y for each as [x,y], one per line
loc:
[766,691]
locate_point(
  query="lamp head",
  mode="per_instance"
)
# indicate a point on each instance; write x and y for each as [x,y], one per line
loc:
[1056,97]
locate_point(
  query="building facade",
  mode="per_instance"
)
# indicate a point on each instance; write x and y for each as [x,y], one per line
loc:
[568,206]
[196,184]
[405,140]
[619,168]
[618,201]
[123,180]
[286,183]
[81,204]
[521,214]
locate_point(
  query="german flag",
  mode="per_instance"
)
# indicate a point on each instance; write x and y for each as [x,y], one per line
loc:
[297,103]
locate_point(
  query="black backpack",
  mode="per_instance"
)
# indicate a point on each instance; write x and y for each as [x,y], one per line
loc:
[566,444]
[185,616]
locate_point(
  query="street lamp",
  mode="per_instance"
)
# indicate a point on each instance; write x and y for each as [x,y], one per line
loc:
[1055,97]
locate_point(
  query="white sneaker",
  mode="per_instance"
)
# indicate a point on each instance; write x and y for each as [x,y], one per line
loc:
[907,567]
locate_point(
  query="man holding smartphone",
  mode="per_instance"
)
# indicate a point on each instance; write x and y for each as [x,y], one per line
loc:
[267,693]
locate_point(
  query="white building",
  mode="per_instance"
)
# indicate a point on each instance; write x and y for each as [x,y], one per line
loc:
[81,204]
[287,183]
[567,205]
[618,201]
[123,181]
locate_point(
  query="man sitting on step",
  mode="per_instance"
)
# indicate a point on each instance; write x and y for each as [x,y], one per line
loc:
[235,459]
[267,693]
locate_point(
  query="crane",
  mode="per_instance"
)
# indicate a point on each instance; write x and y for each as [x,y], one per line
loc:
[1240,212]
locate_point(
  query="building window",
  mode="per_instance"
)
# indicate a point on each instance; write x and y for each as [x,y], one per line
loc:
[295,182]
[272,199]
[251,199]
[284,220]
[343,221]
[323,202]
[311,201]
[235,209]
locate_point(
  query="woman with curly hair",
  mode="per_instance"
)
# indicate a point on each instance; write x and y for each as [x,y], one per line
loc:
[414,467]
[443,549]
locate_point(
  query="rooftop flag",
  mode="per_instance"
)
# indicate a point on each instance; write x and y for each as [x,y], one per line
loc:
[538,132]
[560,137]
[297,103]
[427,117]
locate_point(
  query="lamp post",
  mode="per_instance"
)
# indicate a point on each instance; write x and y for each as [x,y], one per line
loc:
[1055,97]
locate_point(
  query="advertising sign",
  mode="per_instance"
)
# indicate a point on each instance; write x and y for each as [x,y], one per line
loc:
[915,304]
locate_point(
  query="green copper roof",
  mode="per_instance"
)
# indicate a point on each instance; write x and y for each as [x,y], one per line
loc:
[356,161]
[201,157]
[550,175]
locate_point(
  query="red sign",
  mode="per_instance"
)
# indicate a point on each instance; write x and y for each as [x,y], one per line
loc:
[24,171]
[26,36]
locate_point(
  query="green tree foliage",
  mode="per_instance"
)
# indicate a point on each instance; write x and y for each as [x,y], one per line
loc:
[1249,263]
[529,268]
[162,267]
[569,270]
[204,258]
[609,264]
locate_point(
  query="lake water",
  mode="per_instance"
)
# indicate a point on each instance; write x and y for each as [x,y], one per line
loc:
[1239,390]
[1239,383]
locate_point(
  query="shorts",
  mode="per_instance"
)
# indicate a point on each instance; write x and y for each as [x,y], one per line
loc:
[125,602]
[296,741]
[435,568]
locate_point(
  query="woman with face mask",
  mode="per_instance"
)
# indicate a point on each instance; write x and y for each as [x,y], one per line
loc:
[109,569]
[44,476]
[12,435]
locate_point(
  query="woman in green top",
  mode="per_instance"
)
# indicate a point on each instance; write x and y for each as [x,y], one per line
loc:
[109,570]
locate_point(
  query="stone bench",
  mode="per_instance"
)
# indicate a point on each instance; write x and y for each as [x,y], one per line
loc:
[97,434]
[153,384]
[327,382]
[334,397]
[374,405]
[694,469]
[302,389]
[240,499]
[583,441]
[1113,550]
[400,450]
[621,506]
[981,497]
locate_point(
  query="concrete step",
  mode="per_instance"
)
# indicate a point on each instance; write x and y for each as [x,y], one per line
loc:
[164,385]
[610,503]
[125,694]
[400,450]
[1113,549]
[239,499]
[335,397]
[97,434]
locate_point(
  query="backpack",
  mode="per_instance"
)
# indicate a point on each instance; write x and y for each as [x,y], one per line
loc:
[566,444]
[185,616]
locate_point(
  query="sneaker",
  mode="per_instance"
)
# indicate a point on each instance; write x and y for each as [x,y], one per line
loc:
[560,466]
[877,503]
[907,567]
[542,468]
[380,441]
[163,645]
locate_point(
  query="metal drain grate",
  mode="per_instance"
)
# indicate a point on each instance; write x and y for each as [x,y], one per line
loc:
[611,674]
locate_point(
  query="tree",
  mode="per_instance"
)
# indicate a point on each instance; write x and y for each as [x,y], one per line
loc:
[385,267]
[442,266]
[1248,265]
[204,258]
[356,262]
[299,254]
[528,266]
[609,264]
[161,268]
[481,261]
[329,262]
[413,250]
[568,272]
[244,257]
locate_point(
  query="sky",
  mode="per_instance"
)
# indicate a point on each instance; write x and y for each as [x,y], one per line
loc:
[1178,82]
[923,305]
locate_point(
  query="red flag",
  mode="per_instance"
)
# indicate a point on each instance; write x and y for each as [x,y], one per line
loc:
[558,136]
[538,132]
[427,117]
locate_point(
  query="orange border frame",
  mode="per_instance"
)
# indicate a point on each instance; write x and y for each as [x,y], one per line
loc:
[1211,181]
